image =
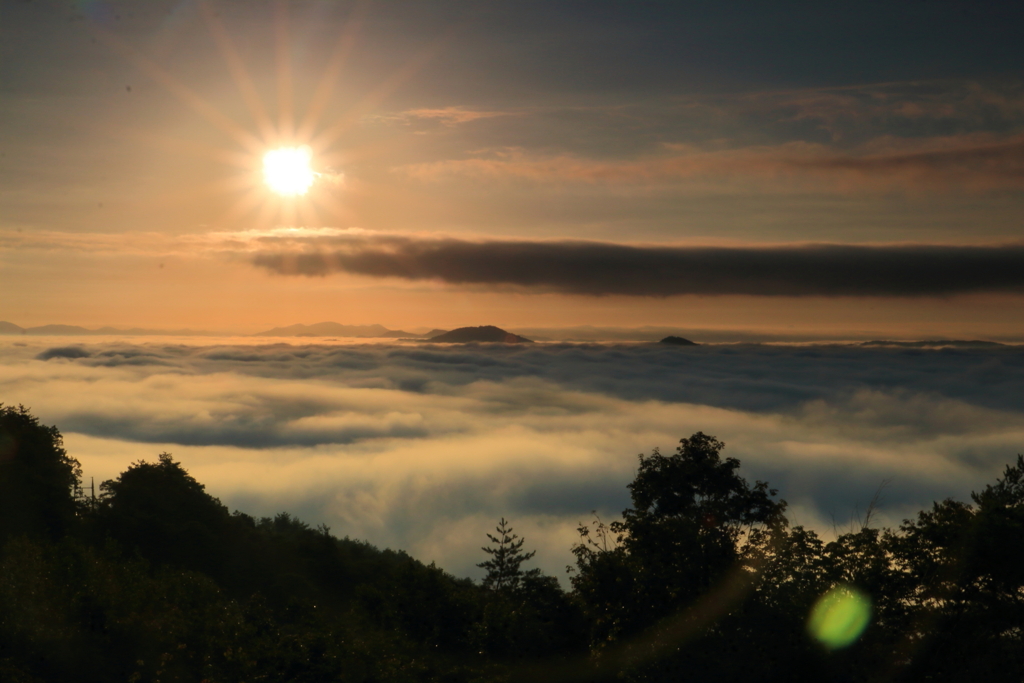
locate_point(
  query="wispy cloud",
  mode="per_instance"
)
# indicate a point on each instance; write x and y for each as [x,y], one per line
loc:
[446,116]
[156,243]
[959,136]
[454,115]
[859,112]
[960,163]
[99,242]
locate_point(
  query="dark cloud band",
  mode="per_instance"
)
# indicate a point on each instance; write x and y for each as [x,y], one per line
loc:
[601,268]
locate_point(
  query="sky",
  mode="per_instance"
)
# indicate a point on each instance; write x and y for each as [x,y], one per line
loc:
[738,166]
[779,181]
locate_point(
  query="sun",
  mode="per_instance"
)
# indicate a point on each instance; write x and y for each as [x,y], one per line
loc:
[286,170]
[302,193]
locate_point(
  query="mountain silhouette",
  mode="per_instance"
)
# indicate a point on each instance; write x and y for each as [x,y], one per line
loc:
[484,333]
[70,330]
[331,329]
[677,341]
[11,328]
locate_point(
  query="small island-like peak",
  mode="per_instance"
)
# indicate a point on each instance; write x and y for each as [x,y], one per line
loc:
[677,341]
[484,333]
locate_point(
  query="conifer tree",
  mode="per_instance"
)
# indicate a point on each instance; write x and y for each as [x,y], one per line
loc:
[504,573]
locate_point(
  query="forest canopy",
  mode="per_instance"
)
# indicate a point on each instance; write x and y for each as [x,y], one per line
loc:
[702,578]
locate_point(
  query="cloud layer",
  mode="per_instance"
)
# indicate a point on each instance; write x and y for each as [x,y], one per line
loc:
[604,268]
[423,446]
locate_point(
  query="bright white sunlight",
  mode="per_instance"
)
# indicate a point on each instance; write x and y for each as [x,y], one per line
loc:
[287,172]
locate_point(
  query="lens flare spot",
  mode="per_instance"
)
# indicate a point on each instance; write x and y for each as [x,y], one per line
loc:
[286,171]
[839,617]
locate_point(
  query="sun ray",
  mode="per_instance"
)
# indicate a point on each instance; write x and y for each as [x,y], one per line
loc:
[238,71]
[329,136]
[303,194]
[307,212]
[325,88]
[177,146]
[360,152]
[288,212]
[268,209]
[286,119]
[333,207]
[252,200]
[179,89]
[230,185]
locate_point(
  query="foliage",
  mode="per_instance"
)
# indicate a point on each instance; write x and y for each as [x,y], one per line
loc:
[701,579]
[37,477]
[692,515]
[525,614]
[160,511]
[504,572]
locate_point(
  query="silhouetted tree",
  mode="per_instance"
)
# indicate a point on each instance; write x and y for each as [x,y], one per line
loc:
[964,565]
[162,512]
[702,579]
[504,569]
[525,614]
[1000,542]
[691,518]
[37,477]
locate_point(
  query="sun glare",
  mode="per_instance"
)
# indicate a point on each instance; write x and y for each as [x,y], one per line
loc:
[287,172]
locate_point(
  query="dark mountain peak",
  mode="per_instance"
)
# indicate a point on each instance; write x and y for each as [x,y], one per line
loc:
[484,333]
[677,341]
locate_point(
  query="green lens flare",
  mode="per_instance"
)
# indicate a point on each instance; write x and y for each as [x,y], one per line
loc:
[839,617]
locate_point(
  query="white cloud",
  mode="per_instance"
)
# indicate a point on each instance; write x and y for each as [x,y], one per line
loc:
[425,448]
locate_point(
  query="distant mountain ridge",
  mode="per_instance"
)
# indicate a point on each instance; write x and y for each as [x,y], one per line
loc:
[484,333]
[325,329]
[67,330]
[331,329]
[582,333]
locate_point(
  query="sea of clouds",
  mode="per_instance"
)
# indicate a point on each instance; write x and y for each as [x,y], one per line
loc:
[423,447]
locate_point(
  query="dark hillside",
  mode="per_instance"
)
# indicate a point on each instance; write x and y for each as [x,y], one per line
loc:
[157,580]
[701,579]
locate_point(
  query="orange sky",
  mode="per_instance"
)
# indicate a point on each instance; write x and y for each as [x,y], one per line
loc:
[133,137]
